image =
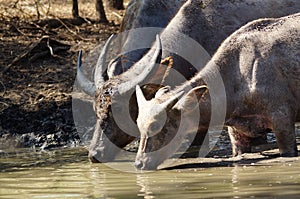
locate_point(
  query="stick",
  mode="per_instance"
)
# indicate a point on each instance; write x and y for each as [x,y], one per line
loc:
[4,88]
[119,16]
[71,31]
[18,58]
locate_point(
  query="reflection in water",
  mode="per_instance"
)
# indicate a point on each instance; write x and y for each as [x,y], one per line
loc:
[98,182]
[234,182]
[143,182]
[68,174]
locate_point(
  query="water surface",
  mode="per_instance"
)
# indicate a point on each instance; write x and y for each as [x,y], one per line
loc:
[66,173]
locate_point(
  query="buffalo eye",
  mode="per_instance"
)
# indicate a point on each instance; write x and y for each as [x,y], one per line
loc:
[154,127]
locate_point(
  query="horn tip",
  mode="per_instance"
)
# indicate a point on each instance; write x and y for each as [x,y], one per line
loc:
[79,60]
[158,39]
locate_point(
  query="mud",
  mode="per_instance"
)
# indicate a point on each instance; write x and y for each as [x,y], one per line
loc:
[38,68]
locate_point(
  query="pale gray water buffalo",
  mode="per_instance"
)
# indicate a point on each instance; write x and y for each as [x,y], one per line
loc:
[259,66]
[194,22]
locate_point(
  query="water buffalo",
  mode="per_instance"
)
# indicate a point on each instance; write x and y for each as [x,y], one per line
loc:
[198,21]
[259,66]
[141,14]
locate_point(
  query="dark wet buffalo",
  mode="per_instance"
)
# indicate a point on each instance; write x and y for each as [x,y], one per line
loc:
[109,137]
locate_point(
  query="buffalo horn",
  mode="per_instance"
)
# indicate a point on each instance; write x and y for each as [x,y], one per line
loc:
[84,83]
[140,71]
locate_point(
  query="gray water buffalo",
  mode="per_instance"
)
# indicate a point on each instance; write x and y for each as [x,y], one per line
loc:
[141,14]
[197,21]
[259,66]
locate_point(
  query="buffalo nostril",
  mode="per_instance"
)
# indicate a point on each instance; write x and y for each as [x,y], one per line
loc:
[138,164]
[93,159]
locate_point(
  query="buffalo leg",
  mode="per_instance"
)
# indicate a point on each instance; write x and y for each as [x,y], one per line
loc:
[284,129]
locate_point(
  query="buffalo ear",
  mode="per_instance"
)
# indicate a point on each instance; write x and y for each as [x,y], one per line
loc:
[198,91]
[191,100]
[150,90]
[162,91]
[141,100]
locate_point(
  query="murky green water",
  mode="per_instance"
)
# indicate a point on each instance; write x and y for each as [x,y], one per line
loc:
[66,173]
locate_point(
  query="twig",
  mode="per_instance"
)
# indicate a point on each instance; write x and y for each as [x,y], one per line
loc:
[87,20]
[4,88]
[36,2]
[50,48]
[3,106]
[49,6]
[18,58]
[71,31]
[39,27]
[45,53]
[21,32]
[119,16]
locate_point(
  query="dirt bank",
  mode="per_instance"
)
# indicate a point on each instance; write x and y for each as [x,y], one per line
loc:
[38,68]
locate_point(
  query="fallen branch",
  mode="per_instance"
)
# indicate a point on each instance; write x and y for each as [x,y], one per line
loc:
[39,49]
[50,48]
[69,29]
[21,56]
[39,27]
[39,55]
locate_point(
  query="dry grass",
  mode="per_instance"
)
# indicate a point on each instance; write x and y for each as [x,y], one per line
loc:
[27,9]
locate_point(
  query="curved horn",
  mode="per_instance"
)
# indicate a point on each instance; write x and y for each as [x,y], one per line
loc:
[172,101]
[100,66]
[139,72]
[84,83]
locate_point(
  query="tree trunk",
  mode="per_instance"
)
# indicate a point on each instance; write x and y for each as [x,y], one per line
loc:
[117,4]
[75,9]
[100,11]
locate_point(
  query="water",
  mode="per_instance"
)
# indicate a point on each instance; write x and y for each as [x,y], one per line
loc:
[66,173]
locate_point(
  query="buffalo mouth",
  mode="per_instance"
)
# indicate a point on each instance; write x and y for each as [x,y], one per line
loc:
[97,157]
[145,164]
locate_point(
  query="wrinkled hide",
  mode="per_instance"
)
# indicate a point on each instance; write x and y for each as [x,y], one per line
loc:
[260,67]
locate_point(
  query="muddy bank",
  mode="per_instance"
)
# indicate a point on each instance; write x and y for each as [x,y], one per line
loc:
[271,157]
[38,68]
